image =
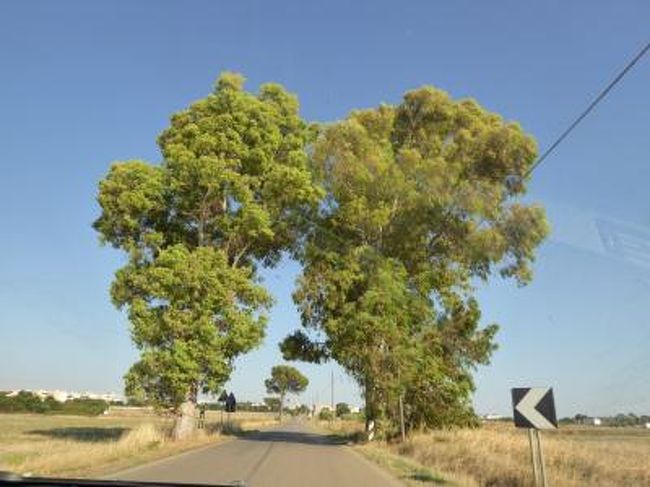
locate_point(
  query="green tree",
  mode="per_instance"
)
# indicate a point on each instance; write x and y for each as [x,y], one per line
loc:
[325,415]
[23,402]
[273,403]
[422,202]
[580,418]
[302,410]
[342,409]
[231,193]
[285,379]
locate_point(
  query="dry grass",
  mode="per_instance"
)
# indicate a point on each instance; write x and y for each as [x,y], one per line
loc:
[499,455]
[72,446]
[243,419]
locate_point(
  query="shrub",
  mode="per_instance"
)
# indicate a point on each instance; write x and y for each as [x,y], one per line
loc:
[342,409]
[28,402]
[325,415]
[82,407]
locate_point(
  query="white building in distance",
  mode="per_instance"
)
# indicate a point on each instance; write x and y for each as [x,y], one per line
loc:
[63,396]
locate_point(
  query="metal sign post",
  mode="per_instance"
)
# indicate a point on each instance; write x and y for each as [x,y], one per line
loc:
[401,418]
[537,457]
[222,399]
[534,409]
[230,407]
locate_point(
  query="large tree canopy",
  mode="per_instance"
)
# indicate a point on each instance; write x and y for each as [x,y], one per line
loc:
[422,200]
[232,191]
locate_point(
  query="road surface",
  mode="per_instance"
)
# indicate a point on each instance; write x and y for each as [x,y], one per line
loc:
[292,455]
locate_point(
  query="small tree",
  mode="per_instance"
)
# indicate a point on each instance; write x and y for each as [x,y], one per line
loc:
[273,403]
[325,415]
[302,410]
[342,409]
[285,379]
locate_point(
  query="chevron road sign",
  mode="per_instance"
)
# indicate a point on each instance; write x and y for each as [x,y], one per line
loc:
[534,407]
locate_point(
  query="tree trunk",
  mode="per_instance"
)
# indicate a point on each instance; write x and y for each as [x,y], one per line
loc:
[402,426]
[281,405]
[185,424]
[370,410]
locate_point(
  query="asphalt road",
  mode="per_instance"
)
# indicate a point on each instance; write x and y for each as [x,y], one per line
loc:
[292,455]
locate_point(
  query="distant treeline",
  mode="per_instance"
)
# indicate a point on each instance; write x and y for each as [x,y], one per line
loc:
[241,406]
[629,419]
[28,402]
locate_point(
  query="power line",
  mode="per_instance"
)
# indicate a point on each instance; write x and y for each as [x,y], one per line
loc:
[563,135]
[589,108]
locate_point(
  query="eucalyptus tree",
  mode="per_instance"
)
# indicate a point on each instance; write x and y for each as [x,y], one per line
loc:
[423,200]
[232,192]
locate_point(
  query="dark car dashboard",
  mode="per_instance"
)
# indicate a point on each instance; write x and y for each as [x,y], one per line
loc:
[8,479]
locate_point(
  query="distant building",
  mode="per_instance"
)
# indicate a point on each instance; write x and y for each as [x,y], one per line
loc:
[493,417]
[63,396]
[59,396]
[589,421]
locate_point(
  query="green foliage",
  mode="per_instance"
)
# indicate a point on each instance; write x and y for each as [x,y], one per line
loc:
[617,420]
[82,407]
[28,402]
[629,419]
[273,403]
[285,379]
[232,192]
[302,410]
[192,313]
[23,402]
[396,214]
[342,409]
[359,417]
[246,406]
[325,415]
[421,202]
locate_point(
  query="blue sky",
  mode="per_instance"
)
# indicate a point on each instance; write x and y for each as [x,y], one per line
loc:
[83,84]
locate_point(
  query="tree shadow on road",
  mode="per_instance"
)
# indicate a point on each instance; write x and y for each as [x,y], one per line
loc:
[349,438]
[85,434]
[297,437]
[227,429]
[427,478]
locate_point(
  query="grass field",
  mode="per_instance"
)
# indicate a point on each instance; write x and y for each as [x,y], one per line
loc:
[74,446]
[498,455]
